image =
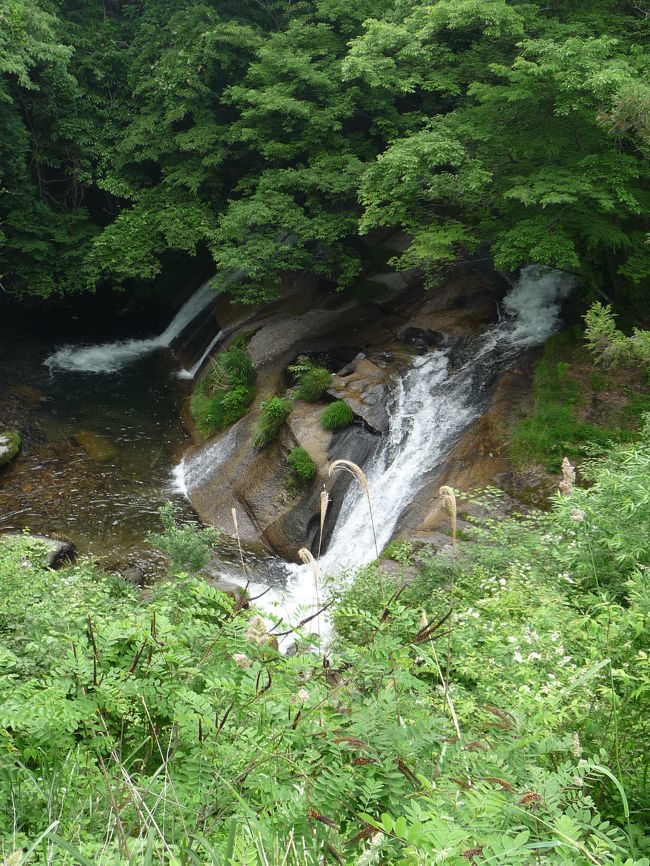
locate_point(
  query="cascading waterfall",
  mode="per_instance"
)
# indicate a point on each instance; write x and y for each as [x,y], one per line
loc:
[112,357]
[432,404]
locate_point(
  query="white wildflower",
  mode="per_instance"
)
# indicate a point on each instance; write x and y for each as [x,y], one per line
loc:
[242,661]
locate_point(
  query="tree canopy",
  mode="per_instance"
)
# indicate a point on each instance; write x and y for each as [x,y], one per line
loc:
[274,135]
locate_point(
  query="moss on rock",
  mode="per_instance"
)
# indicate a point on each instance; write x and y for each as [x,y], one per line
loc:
[9,445]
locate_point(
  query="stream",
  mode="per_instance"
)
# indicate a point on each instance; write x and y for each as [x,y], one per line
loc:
[103,441]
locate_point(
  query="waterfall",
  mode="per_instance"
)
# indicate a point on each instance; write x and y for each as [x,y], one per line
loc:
[111,357]
[431,406]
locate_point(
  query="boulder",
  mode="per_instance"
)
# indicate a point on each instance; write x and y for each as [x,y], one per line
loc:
[229,587]
[365,387]
[96,446]
[134,575]
[9,446]
[58,551]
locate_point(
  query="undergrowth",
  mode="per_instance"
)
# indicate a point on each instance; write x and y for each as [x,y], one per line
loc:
[170,730]
[556,426]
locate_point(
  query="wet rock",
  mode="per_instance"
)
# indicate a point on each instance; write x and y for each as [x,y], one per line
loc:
[96,446]
[230,588]
[134,575]
[27,394]
[9,446]
[58,551]
[400,573]
[366,389]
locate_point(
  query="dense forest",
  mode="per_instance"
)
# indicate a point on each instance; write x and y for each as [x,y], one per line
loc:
[271,136]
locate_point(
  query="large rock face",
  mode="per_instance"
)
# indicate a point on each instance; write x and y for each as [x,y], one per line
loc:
[368,344]
[228,472]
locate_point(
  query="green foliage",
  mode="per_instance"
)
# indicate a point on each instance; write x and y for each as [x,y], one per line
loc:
[610,346]
[312,380]
[167,701]
[9,446]
[274,411]
[226,392]
[302,465]
[400,551]
[554,427]
[338,414]
[188,548]
[272,134]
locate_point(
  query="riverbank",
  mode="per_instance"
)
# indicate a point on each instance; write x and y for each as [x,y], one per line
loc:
[529,739]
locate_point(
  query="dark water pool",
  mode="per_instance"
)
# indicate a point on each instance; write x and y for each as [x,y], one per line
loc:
[97,449]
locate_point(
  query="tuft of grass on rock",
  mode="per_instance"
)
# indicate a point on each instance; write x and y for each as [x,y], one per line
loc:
[304,468]
[225,394]
[275,411]
[337,415]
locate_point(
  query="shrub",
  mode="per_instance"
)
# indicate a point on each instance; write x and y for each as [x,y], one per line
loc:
[337,415]
[227,391]
[313,384]
[275,411]
[303,466]
[188,548]
[610,346]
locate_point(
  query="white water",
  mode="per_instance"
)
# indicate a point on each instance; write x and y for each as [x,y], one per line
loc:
[111,357]
[432,405]
[191,373]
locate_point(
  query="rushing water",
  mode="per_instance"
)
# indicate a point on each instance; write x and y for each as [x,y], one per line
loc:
[432,404]
[114,356]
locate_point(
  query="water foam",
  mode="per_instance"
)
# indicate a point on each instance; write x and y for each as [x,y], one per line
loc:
[112,357]
[432,405]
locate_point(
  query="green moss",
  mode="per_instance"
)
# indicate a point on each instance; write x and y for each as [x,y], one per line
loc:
[227,391]
[337,415]
[304,468]
[9,446]
[275,411]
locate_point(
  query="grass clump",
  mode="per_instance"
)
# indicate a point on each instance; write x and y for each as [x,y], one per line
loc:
[9,446]
[313,384]
[311,378]
[225,394]
[275,411]
[337,415]
[304,468]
